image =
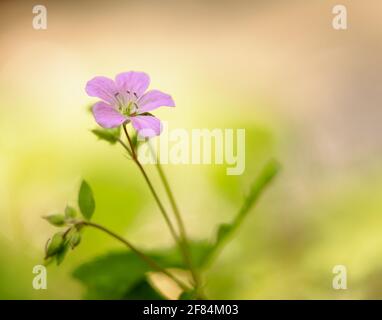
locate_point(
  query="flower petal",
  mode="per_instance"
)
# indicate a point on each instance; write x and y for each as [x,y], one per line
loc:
[106,116]
[154,99]
[133,81]
[147,126]
[103,88]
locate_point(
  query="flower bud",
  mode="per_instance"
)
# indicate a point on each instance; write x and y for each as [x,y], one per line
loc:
[57,220]
[55,244]
[70,212]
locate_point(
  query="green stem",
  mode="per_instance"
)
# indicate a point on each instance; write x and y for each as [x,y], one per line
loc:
[160,205]
[182,241]
[182,229]
[139,253]
[156,197]
[132,153]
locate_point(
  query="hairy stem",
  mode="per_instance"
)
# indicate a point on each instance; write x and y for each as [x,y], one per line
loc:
[139,253]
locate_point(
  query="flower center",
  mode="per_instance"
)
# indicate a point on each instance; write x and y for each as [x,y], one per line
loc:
[127,104]
[129,109]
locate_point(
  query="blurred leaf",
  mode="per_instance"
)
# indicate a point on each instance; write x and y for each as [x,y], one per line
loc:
[70,212]
[224,231]
[199,252]
[55,244]
[143,291]
[187,295]
[113,276]
[86,200]
[172,258]
[109,135]
[57,220]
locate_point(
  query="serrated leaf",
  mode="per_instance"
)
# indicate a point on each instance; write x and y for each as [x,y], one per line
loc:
[70,212]
[86,201]
[55,244]
[109,135]
[56,220]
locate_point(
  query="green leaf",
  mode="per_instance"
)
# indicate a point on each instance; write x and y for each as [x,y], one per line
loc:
[55,244]
[223,231]
[115,275]
[112,275]
[172,258]
[143,291]
[86,200]
[109,135]
[57,220]
[70,212]
[187,295]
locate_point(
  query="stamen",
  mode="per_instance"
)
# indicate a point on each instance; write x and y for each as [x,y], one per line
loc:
[135,94]
[119,100]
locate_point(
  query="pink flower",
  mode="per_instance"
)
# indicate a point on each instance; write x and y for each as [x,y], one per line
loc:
[125,100]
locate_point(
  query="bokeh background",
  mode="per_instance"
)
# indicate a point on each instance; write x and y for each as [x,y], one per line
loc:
[306,94]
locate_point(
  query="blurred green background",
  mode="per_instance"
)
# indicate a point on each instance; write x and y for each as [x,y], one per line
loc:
[305,93]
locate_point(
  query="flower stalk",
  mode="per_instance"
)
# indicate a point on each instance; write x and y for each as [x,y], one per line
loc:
[180,240]
[178,216]
[134,157]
